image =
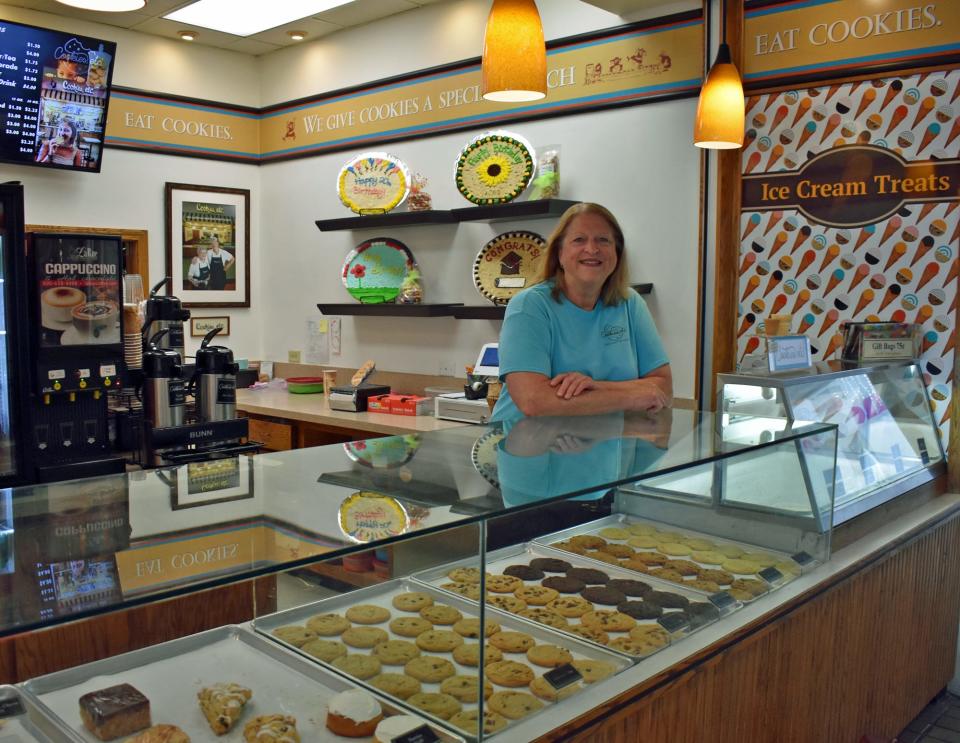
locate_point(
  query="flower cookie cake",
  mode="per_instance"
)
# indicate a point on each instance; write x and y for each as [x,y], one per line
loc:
[495,168]
[373,183]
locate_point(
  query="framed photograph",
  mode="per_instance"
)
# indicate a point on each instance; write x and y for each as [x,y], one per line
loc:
[215,481]
[200,326]
[208,244]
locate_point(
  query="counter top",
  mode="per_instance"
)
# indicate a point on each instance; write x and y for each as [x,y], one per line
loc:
[314,409]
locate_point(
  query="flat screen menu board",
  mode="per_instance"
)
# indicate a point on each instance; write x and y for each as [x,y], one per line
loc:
[54,90]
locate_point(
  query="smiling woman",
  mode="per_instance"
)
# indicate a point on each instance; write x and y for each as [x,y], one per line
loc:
[582,342]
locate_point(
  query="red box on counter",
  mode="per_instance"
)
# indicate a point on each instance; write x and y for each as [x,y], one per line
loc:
[396,404]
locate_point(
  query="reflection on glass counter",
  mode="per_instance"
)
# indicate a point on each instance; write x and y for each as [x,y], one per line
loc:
[887,436]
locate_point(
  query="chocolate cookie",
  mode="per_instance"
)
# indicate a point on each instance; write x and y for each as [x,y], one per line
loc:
[640,609]
[603,595]
[588,576]
[550,565]
[668,599]
[564,585]
[629,587]
[524,572]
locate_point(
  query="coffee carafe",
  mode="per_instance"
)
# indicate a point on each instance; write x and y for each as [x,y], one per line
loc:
[215,381]
[164,399]
[165,313]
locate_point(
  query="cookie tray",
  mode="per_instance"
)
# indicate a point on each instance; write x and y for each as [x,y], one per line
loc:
[171,674]
[21,721]
[499,560]
[620,520]
[382,595]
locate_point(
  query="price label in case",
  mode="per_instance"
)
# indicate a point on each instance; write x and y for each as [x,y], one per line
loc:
[562,676]
[674,622]
[12,707]
[771,575]
[802,559]
[422,734]
[723,601]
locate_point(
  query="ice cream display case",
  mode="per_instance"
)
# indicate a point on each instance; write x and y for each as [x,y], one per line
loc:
[585,578]
[887,440]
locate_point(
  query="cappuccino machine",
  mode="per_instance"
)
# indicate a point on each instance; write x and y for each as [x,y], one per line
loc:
[74,300]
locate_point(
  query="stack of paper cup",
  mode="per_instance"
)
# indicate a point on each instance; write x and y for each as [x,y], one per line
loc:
[132,341]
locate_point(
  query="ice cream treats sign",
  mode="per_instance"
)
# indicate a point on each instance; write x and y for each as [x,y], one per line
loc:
[853,185]
[813,39]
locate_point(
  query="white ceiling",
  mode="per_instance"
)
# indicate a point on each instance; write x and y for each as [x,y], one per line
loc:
[149,20]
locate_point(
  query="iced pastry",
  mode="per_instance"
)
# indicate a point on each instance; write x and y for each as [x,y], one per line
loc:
[160,734]
[274,728]
[114,711]
[494,168]
[222,704]
[353,714]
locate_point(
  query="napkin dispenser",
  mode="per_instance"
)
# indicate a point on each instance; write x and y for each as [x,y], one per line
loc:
[353,398]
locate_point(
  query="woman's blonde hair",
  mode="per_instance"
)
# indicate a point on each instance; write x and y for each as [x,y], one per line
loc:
[615,288]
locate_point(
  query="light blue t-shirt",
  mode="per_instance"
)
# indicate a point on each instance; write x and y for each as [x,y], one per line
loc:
[610,343]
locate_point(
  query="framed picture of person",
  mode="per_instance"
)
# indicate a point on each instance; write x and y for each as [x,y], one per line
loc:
[208,244]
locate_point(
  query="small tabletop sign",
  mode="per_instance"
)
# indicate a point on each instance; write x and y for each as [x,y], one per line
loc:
[422,734]
[562,676]
[771,576]
[674,623]
[788,352]
[723,601]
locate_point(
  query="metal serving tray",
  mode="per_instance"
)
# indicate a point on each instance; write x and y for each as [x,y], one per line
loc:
[171,674]
[382,595]
[499,560]
[622,520]
[21,721]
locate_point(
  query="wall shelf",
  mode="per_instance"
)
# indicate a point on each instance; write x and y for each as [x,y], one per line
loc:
[388,309]
[540,209]
[455,310]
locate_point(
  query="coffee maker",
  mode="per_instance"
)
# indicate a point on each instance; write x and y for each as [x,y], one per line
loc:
[215,381]
[165,313]
[164,396]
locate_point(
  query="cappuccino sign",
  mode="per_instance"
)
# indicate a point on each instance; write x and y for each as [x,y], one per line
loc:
[78,285]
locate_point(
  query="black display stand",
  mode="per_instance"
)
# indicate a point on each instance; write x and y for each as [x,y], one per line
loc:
[540,209]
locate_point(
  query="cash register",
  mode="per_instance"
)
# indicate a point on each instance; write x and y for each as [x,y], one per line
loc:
[457,406]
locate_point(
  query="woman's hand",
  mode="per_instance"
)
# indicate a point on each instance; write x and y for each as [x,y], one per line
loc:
[650,398]
[571,384]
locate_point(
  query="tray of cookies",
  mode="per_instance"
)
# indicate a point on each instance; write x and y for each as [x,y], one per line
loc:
[699,562]
[421,646]
[603,604]
[201,687]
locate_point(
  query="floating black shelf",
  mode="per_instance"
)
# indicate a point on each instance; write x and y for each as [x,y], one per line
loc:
[540,209]
[643,288]
[390,219]
[479,312]
[388,309]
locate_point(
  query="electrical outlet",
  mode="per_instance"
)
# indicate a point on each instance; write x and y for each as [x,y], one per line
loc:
[293,357]
[446,370]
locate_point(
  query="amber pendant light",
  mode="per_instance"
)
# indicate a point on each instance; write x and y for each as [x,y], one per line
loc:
[514,53]
[721,108]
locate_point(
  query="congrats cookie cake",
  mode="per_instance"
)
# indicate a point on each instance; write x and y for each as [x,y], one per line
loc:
[507,264]
[373,183]
[495,168]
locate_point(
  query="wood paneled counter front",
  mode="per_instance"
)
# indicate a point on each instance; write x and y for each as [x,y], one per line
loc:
[282,420]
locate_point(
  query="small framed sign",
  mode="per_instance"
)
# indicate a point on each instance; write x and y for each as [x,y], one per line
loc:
[200,326]
[788,352]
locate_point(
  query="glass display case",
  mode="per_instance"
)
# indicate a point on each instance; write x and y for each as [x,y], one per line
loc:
[596,542]
[887,436]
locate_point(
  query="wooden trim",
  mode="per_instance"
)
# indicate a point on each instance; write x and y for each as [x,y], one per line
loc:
[727,232]
[138,259]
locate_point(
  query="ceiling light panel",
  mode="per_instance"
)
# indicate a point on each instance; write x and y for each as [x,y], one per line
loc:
[247,18]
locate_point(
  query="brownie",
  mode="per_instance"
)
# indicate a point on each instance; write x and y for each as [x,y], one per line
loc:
[640,609]
[564,585]
[524,572]
[550,565]
[115,711]
[629,587]
[603,595]
[588,576]
[668,599]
